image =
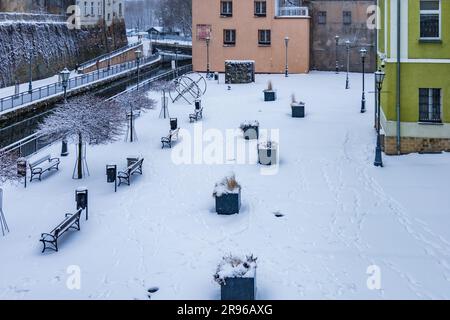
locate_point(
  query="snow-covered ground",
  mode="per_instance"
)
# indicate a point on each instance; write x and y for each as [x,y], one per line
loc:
[341,215]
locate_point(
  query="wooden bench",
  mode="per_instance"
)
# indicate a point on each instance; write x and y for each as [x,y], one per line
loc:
[172,136]
[196,116]
[50,240]
[42,165]
[136,167]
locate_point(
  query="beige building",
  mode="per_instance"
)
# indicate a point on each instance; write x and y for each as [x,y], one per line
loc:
[251,30]
[94,11]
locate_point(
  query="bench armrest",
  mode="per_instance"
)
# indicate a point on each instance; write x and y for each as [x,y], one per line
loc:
[34,169]
[69,214]
[45,235]
[122,172]
[51,159]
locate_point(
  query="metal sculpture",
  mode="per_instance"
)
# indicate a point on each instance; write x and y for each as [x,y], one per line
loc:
[190,87]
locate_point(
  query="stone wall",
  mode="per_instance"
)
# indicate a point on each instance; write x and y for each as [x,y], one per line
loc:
[414,145]
[35,6]
[53,47]
[323,44]
[239,71]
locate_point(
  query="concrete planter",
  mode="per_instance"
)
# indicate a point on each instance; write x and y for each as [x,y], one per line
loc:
[238,289]
[270,95]
[298,110]
[267,155]
[250,132]
[228,203]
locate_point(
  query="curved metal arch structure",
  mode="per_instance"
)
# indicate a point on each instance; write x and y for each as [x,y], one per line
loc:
[189,87]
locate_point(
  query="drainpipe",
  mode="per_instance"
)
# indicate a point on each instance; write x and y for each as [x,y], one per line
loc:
[398,77]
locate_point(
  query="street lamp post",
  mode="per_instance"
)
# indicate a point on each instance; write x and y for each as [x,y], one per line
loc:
[65,74]
[336,38]
[30,83]
[176,59]
[379,78]
[286,70]
[363,53]
[347,81]
[208,40]
[138,54]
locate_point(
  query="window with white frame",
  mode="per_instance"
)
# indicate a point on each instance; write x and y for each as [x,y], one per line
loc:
[229,37]
[430,105]
[92,8]
[264,37]
[226,8]
[430,19]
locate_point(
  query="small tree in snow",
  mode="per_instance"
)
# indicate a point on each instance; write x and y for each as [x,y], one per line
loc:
[164,87]
[85,119]
[8,168]
[132,103]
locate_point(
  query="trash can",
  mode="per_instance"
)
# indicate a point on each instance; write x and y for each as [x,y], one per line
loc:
[111,173]
[198,104]
[81,198]
[173,123]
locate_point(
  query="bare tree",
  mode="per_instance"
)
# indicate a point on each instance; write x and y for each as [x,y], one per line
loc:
[85,119]
[8,169]
[164,87]
[132,103]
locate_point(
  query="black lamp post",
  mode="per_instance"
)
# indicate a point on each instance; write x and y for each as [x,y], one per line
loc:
[176,59]
[138,54]
[286,70]
[65,74]
[208,40]
[30,83]
[379,78]
[336,38]
[363,53]
[347,81]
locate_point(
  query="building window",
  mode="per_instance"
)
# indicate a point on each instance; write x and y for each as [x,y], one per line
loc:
[203,31]
[229,37]
[322,17]
[109,16]
[264,37]
[430,16]
[430,105]
[85,9]
[99,8]
[260,8]
[226,8]
[120,9]
[92,8]
[347,17]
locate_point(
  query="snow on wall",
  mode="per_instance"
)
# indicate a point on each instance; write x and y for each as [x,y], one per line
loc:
[54,47]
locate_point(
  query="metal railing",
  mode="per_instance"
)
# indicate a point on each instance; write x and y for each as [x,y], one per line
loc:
[55,88]
[30,145]
[293,12]
[108,55]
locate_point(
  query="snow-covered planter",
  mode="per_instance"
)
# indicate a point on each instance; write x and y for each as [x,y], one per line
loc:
[250,129]
[237,277]
[269,93]
[228,196]
[298,108]
[267,153]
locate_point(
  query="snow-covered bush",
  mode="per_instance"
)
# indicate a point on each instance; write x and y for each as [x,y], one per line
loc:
[235,267]
[8,167]
[135,100]
[226,186]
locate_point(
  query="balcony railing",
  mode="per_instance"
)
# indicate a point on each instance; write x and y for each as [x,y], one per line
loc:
[293,12]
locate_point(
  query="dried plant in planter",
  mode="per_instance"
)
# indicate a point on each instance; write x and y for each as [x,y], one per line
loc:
[269,86]
[293,99]
[226,186]
[267,145]
[235,267]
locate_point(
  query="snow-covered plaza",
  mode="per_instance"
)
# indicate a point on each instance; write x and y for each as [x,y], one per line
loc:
[322,224]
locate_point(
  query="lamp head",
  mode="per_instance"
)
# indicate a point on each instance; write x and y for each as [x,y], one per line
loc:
[379,78]
[65,74]
[363,52]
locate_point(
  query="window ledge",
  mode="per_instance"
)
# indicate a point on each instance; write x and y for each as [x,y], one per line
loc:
[260,15]
[426,123]
[226,15]
[229,45]
[423,40]
[264,45]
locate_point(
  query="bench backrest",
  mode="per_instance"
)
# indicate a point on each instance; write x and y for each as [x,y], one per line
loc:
[39,161]
[63,226]
[135,165]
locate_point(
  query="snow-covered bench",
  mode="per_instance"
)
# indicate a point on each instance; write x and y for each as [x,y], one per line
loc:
[42,165]
[50,240]
[196,116]
[135,167]
[172,136]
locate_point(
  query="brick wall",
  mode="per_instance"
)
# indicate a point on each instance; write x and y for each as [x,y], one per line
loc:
[414,145]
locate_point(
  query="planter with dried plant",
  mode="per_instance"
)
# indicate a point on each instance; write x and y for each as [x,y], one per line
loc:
[270,94]
[228,196]
[298,108]
[267,153]
[250,129]
[237,277]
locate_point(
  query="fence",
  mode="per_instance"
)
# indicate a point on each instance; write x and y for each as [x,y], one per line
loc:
[36,142]
[36,94]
